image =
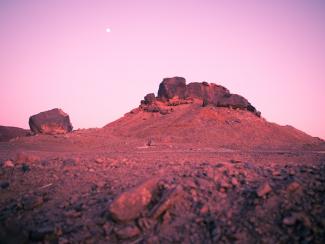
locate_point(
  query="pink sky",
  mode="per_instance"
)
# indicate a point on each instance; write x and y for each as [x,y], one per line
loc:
[58,54]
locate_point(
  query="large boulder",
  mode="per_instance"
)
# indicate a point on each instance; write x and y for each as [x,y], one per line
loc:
[211,93]
[51,122]
[171,87]
[8,132]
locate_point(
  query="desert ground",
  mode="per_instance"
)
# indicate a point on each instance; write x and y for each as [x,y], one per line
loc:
[58,189]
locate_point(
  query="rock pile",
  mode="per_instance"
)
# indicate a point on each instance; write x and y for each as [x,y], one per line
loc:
[174,91]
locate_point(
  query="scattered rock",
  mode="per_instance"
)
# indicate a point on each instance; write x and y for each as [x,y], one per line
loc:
[8,164]
[129,205]
[149,98]
[293,186]
[264,189]
[72,214]
[127,232]
[71,162]
[25,168]
[42,233]
[167,201]
[51,122]
[31,202]
[23,157]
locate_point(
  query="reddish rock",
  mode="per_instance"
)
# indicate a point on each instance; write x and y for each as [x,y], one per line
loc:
[264,189]
[171,87]
[129,205]
[8,132]
[51,122]
[127,232]
[293,186]
[167,202]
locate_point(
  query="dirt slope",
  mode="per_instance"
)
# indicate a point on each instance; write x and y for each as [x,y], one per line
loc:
[210,126]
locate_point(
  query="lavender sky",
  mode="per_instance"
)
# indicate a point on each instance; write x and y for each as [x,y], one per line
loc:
[58,54]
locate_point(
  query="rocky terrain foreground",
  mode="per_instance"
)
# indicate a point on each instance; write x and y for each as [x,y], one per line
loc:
[196,164]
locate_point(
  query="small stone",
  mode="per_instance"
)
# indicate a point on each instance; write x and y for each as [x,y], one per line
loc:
[4,184]
[31,202]
[234,181]
[129,205]
[99,160]
[293,186]
[70,162]
[41,233]
[72,214]
[127,232]
[289,220]
[8,164]
[264,189]
[107,227]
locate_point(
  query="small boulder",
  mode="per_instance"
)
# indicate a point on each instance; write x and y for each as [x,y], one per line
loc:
[149,98]
[263,190]
[127,232]
[50,122]
[129,205]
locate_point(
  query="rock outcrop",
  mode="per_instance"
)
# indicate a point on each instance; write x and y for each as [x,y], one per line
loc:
[8,132]
[174,91]
[50,122]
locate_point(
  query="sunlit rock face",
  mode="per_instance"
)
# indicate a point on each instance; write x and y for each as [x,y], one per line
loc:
[50,122]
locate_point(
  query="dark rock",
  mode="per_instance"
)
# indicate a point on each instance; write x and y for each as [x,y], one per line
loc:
[149,98]
[233,100]
[42,233]
[129,205]
[210,93]
[25,168]
[171,87]
[12,232]
[8,132]
[70,162]
[4,184]
[31,202]
[51,122]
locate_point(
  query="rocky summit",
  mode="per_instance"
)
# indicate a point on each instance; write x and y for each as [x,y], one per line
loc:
[194,164]
[174,91]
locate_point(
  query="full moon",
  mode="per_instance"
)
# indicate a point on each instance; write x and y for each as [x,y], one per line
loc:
[108,30]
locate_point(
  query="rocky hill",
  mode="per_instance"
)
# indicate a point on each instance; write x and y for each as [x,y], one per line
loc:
[207,115]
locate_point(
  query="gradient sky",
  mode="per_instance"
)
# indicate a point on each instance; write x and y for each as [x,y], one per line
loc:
[58,54]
